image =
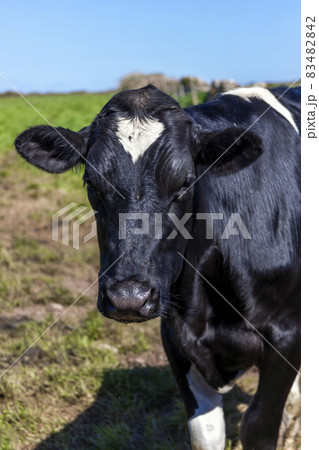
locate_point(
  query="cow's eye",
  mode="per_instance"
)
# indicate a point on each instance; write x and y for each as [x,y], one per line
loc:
[89,186]
[185,187]
[91,189]
[189,180]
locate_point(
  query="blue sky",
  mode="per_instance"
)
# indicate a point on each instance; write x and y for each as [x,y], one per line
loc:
[63,46]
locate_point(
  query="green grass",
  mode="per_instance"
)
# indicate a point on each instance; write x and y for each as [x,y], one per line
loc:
[187,100]
[70,111]
[67,369]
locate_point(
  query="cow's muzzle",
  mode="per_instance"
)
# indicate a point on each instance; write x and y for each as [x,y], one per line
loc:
[129,301]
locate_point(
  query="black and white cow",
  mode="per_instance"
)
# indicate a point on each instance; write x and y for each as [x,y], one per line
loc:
[228,300]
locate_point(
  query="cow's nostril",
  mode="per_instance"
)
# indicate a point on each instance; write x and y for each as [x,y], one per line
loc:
[128,296]
[150,305]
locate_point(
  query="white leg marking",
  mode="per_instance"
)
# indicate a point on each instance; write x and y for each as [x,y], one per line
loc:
[266,96]
[136,136]
[207,425]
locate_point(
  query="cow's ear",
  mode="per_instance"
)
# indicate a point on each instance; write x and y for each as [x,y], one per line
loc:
[53,149]
[229,150]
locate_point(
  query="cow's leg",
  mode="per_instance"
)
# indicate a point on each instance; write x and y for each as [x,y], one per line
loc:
[289,432]
[262,419]
[207,425]
[203,404]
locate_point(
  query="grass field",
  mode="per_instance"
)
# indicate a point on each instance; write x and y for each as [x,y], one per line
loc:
[88,382]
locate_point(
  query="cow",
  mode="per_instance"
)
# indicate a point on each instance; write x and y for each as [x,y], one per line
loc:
[228,300]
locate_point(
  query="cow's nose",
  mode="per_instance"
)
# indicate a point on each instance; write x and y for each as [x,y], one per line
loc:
[129,296]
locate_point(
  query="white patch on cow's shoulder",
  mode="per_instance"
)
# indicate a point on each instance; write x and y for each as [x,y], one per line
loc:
[265,95]
[207,425]
[137,135]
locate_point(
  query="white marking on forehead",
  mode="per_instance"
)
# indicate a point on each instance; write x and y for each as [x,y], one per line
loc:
[207,425]
[137,136]
[266,96]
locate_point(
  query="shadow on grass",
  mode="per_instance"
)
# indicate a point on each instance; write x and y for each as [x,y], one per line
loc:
[137,408]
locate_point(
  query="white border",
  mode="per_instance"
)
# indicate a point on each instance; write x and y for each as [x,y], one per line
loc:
[310,240]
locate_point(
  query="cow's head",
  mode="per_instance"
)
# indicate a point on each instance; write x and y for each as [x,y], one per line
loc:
[140,154]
